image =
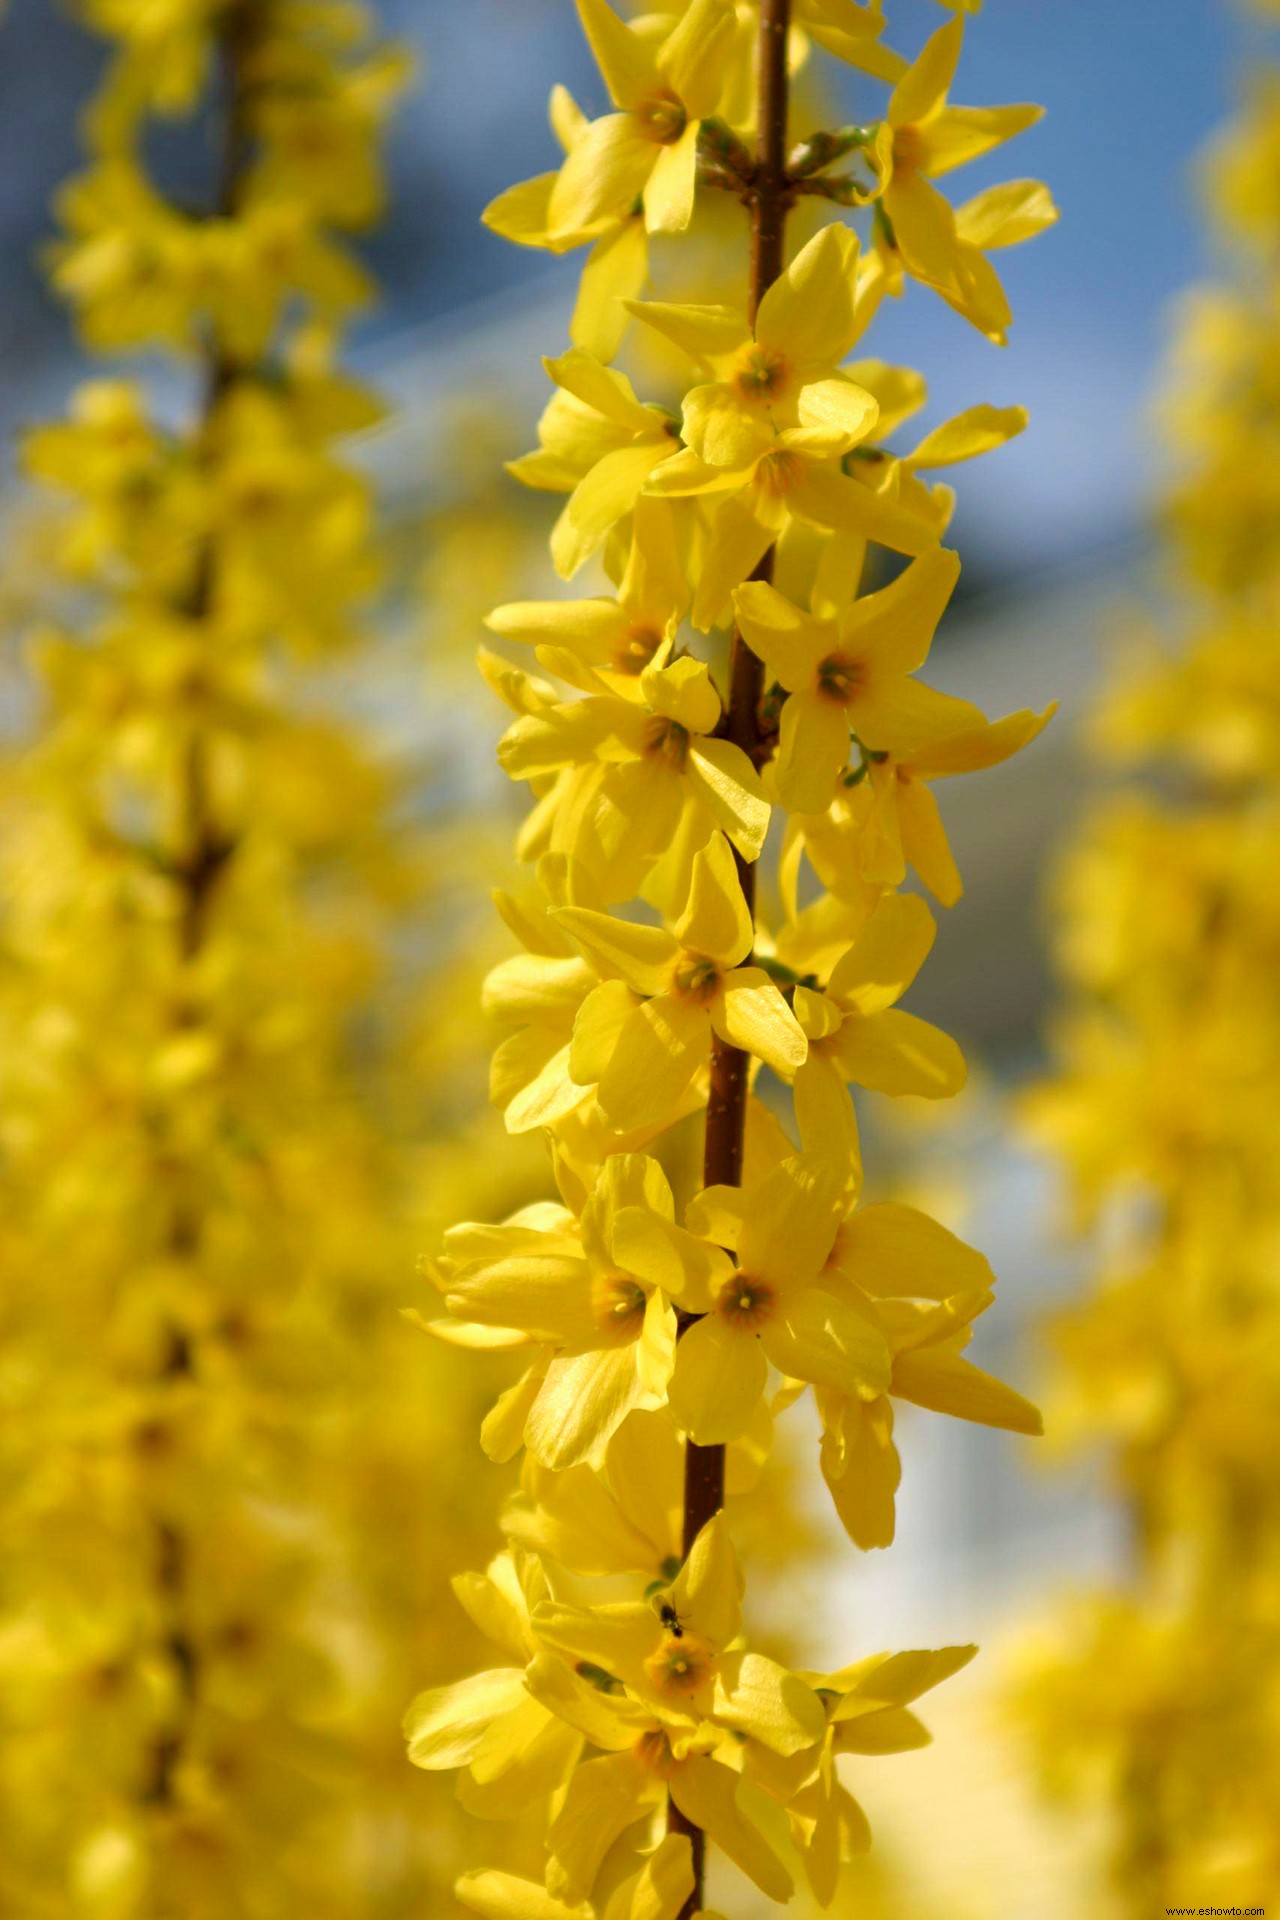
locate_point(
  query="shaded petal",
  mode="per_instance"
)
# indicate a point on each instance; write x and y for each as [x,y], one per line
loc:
[730,788]
[605,1797]
[719,1377]
[659,1051]
[813,751]
[671,188]
[641,956]
[716,921]
[791,1221]
[602,176]
[886,956]
[708,1795]
[809,313]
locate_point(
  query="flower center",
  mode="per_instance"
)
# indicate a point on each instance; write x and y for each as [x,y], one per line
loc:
[637,648]
[682,1665]
[696,978]
[653,1751]
[618,1305]
[779,472]
[662,118]
[839,678]
[908,150]
[761,375]
[745,1302]
[666,740]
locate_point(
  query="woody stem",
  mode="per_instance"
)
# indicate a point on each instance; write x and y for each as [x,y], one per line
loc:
[727,1103]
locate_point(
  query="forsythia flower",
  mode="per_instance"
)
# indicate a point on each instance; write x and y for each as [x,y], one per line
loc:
[1162,1110]
[656,1343]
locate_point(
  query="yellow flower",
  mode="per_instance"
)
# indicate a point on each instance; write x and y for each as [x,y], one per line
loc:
[783,373]
[612,1330]
[617,267]
[513,1748]
[676,1657]
[591,642]
[857,1031]
[926,138]
[692,983]
[650,779]
[598,444]
[770,1305]
[851,674]
[648,149]
[658,1891]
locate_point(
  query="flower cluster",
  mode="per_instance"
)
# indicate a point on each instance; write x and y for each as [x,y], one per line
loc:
[200,1226]
[664,1319]
[1163,1111]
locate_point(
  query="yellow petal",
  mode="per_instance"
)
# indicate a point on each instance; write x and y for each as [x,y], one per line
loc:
[752,1015]
[608,1720]
[661,1888]
[659,1051]
[708,1795]
[843,410]
[760,1698]
[892,1251]
[820,1338]
[981,747]
[596,1030]
[521,214]
[809,312]
[601,177]
[672,185]
[730,788]
[626,65]
[600,500]
[641,956]
[500,1896]
[738,542]
[887,955]
[895,1052]
[605,1797]
[693,56]
[705,333]
[584,1399]
[614,272]
[790,1221]
[923,87]
[716,921]
[948,1383]
[924,841]
[445,1725]
[976,431]
[961,134]
[861,1468]
[894,628]
[707,1592]
[813,751]
[1007,214]
[722,430]
[719,1377]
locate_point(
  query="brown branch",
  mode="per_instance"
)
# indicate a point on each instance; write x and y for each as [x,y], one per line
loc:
[769,197]
[196,872]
